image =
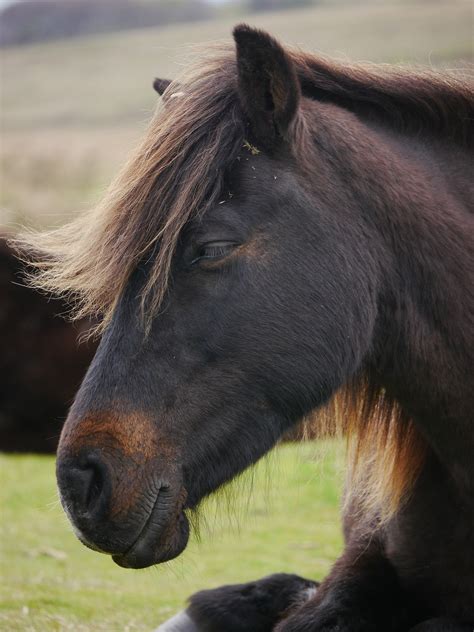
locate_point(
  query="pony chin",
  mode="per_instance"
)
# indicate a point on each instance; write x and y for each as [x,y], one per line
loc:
[146,552]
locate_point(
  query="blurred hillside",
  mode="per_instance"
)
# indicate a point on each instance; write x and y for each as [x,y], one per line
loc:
[41,20]
[31,21]
[72,109]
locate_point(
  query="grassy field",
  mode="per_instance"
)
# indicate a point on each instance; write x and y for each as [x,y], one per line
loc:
[72,110]
[106,80]
[282,518]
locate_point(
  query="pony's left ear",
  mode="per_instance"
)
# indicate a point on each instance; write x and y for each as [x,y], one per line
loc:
[160,85]
[268,85]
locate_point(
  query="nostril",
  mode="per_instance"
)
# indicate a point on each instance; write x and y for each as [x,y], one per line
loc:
[89,486]
[83,486]
[95,488]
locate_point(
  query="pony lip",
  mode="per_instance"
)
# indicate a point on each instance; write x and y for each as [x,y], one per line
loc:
[164,535]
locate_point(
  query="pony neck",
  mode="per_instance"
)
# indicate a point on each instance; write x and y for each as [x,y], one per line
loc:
[424,347]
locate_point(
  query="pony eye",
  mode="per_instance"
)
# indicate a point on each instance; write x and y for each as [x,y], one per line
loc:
[214,250]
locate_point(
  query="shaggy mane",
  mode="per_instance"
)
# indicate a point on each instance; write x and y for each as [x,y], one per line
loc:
[174,175]
[177,173]
[410,100]
[385,451]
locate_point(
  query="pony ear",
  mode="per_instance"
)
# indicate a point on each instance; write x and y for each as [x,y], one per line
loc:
[269,89]
[160,85]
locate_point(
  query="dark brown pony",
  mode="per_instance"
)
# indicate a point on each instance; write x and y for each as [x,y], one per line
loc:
[42,361]
[292,235]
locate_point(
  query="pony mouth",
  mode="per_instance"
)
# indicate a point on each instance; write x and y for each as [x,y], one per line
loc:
[164,535]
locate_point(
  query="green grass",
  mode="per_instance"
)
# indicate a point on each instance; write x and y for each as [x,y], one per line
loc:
[282,517]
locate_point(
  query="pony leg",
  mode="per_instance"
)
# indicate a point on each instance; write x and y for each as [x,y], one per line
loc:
[443,625]
[361,594]
[255,606]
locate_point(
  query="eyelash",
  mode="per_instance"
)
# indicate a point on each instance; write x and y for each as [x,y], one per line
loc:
[213,251]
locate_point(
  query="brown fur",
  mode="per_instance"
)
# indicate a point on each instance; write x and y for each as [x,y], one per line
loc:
[148,205]
[130,440]
[42,361]
[130,434]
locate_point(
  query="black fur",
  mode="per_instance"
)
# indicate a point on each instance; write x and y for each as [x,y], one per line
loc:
[443,625]
[269,87]
[255,606]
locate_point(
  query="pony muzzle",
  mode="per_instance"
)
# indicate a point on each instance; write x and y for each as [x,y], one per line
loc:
[122,502]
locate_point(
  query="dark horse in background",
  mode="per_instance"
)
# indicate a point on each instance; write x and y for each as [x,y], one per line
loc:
[42,361]
[290,231]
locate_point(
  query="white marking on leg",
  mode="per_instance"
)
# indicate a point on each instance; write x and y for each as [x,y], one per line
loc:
[306,594]
[181,622]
